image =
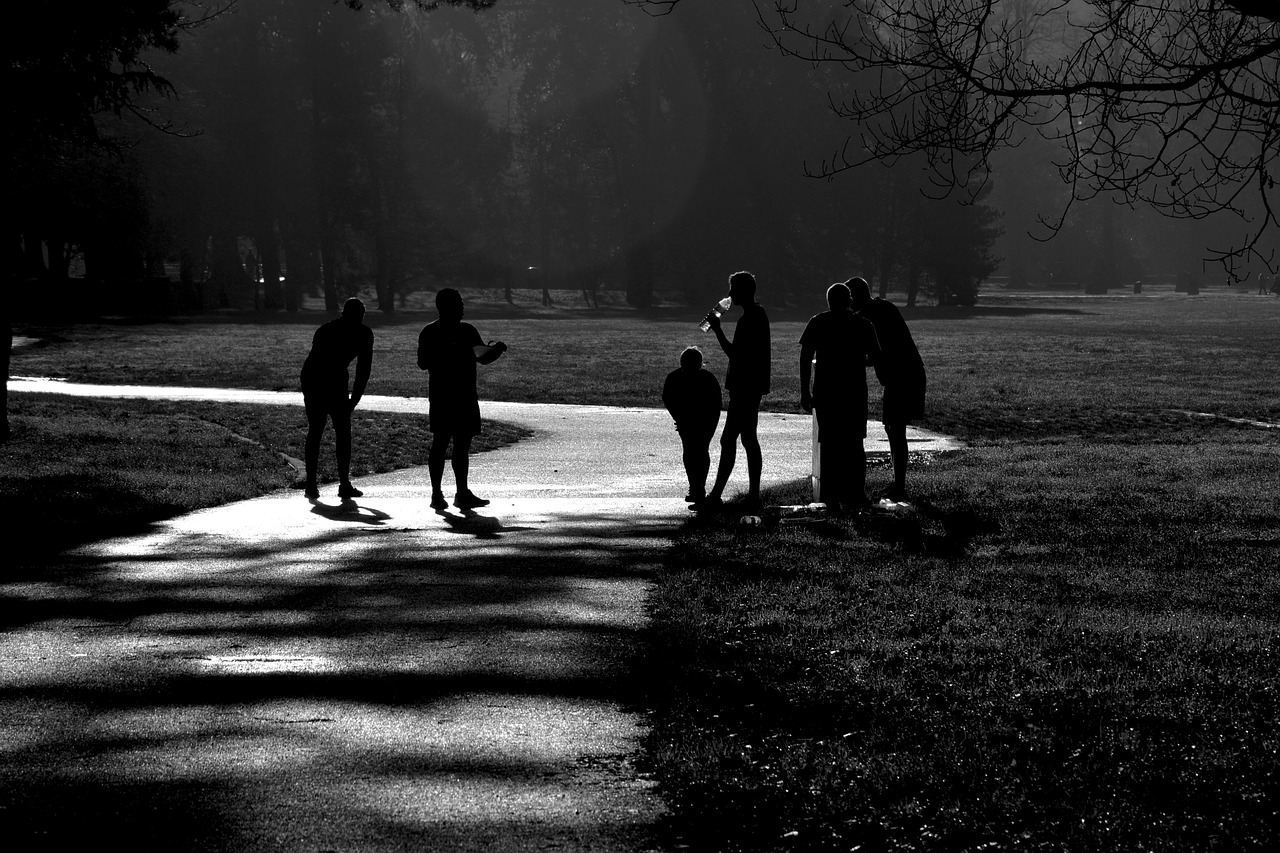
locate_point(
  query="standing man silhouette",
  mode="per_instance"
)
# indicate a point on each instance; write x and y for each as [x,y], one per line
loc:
[450,350]
[844,344]
[747,381]
[901,373]
[324,390]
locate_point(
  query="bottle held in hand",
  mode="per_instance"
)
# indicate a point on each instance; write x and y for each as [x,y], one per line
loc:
[722,306]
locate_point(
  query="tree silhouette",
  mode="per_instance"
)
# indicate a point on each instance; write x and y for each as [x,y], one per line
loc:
[1170,103]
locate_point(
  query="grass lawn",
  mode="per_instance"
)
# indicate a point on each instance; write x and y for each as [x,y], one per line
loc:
[1002,369]
[80,469]
[1079,651]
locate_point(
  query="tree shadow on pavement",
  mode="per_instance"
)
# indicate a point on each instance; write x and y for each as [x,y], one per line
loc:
[363,687]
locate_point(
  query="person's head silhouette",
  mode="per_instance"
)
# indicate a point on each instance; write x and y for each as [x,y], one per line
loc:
[353,310]
[691,359]
[742,288]
[449,304]
[838,296]
[860,290]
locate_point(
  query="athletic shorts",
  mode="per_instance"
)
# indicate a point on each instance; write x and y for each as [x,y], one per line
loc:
[903,402]
[456,417]
[326,404]
[742,415]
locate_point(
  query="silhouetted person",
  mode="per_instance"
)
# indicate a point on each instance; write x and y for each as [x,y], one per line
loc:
[843,344]
[450,350]
[324,390]
[900,371]
[692,396]
[747,381]
[6,341]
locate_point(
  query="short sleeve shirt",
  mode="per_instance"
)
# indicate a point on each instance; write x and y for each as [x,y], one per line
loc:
[900,361]
[750,361]
[333,347]
[841,341]
[447,351]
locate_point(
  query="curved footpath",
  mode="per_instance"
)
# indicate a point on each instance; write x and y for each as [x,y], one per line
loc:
[287,675]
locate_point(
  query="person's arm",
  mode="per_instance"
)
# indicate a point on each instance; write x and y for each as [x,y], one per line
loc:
[873,344]
[364,367]
[725,344]
[806,373]
[493,353]
[424,351]
[669,395]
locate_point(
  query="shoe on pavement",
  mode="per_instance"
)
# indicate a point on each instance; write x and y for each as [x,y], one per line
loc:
[468,500]
[438,501]
[312,491]
[692,498]
[709,504]
[346,490]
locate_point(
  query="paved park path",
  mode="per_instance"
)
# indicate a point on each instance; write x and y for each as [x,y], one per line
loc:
[278,674]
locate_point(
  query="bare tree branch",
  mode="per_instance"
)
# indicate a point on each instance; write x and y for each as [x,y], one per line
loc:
[1170,103]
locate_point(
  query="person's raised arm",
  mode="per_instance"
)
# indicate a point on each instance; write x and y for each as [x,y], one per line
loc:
[725,344]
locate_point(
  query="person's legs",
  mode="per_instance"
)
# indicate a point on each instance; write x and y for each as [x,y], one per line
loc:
[341,415]
[697,463]
[435,459]
[461,462]
[857,496]
[898,453]
[317,417]
[342,444]
[728,453]
[751,447]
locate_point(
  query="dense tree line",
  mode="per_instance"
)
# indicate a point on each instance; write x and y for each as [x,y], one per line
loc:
[329,148]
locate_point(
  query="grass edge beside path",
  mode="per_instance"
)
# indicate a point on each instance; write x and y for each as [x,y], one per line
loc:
[80,469]
[1086,658]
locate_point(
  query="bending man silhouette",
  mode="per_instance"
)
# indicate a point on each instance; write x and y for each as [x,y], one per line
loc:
[900,371]
[324,390]
[844,344]
[449,350]
[747,381]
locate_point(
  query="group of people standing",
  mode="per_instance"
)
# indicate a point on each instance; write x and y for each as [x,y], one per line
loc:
[836,348]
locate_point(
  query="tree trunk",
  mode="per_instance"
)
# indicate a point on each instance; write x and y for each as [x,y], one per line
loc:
[227,273]
[269,256]
[328,270]
[913,284]
[640,275]
[33,256]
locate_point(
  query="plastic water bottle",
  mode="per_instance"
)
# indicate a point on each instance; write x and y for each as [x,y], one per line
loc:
[722,306]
